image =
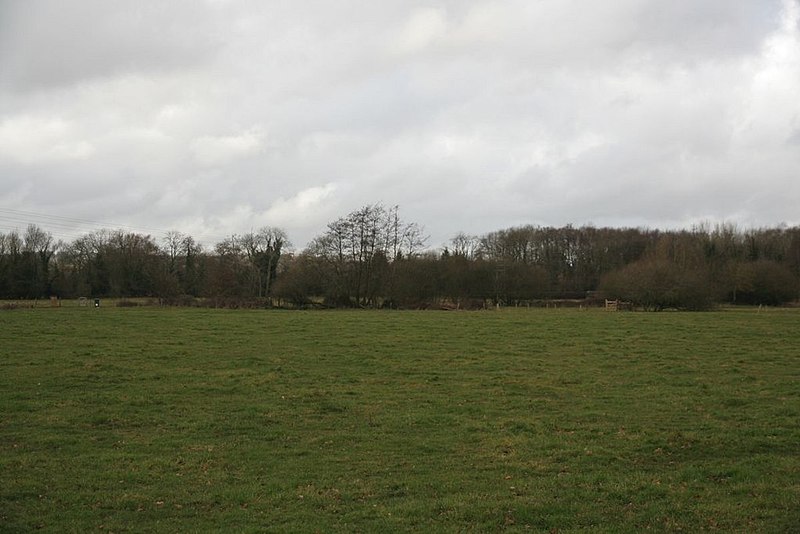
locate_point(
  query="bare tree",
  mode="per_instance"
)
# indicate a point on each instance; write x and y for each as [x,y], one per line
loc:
[359,249]
[464,245]
[259,252]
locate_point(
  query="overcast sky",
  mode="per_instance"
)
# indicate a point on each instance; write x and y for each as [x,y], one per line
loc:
[219,117]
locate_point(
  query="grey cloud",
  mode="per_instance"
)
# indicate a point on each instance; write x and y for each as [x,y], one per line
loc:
[710,29]
[46,44]
[214,117]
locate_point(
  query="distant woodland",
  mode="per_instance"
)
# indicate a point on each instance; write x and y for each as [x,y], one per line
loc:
[372,258]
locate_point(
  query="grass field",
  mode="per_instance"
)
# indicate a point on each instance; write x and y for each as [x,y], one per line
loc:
[186,420]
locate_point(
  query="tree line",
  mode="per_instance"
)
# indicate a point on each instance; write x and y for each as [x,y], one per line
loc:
[372,258]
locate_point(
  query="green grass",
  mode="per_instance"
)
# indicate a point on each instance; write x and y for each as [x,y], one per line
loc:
[185,420]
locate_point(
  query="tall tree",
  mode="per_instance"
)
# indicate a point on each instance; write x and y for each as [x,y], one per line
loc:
[359,249]
[263,250]
[182,261]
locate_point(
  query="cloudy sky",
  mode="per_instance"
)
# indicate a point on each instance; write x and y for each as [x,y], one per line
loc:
[219,117]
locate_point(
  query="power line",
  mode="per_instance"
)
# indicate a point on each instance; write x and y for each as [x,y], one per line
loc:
[73,227]
[72,219]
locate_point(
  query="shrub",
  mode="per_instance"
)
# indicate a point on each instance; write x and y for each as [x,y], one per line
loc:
[655,285]
[764,282]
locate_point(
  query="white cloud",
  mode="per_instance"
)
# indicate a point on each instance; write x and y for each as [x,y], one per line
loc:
[307,206]
[771,109]
[31,140]
[424,27]
[218,150]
